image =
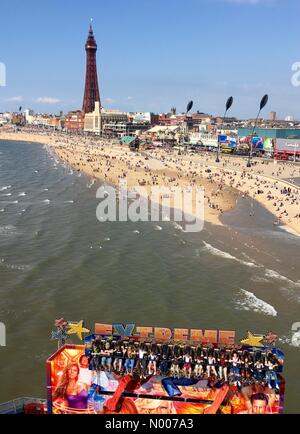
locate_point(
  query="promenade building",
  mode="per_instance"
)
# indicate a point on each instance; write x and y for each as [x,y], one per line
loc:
[56,122]
[95,121]
[273,133]
[143,118]
[74,121]
[122,129]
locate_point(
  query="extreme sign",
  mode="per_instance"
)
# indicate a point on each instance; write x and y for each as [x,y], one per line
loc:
[217,337]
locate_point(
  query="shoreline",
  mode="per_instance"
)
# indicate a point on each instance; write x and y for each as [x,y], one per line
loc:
[110,163]
[95,162]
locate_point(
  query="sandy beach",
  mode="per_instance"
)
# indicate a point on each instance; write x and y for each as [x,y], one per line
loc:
[268,183]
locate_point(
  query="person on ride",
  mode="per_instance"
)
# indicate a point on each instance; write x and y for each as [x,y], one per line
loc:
[106,353]
[130,360]
[118,358]
[235,368]
[187,364]
[211,364]
[223,363]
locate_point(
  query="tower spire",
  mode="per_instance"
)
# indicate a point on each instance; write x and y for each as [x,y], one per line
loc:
[91,92]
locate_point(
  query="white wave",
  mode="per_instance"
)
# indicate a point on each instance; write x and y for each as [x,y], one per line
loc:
[107,239]
[158,228]
[36,171]
[46,201]
[257,278]
[226,255]
[2,210]
[91,184]
[46,189]
[7,230]
[275,275]
[7,194]
[246,300]
[6,187]
[136,232]
[69,201]
[178,227]
[14,266]
[22,194]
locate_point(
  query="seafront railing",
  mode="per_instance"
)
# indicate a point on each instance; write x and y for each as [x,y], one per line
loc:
[16,406]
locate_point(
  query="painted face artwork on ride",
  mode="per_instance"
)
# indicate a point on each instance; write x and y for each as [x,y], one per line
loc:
[76,386]
[69,380]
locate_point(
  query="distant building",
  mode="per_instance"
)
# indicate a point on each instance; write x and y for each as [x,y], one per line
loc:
[113,116]
[92,121]
[5,118]
[175,120]
[18,119]
[74,121]
[143,117]
[163,133]
[56,122]
[41,120]
[29,116]
[95,121]
[219,120]
[201,118]
[273,116]
[121,129]
[272,133]
[289,119]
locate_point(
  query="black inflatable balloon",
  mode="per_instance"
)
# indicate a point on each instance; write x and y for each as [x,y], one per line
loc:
[189,106]
[264,101]
[229,103]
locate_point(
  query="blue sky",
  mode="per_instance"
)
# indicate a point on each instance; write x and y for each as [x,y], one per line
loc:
[152,54]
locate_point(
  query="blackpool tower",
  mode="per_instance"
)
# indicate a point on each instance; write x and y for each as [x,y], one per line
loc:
[91,92]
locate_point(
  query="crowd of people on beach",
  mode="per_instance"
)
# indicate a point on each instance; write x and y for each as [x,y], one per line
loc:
[270,184]
[237,367]
[254,183]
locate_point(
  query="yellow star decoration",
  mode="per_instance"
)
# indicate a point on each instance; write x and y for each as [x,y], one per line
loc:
[77,328]
[253,340]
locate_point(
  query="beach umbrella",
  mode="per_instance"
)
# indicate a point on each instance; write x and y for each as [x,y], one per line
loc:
[229,103]
[262,104]
[189,106]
